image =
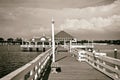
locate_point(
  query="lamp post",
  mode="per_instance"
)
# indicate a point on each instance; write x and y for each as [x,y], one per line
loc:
[53,41]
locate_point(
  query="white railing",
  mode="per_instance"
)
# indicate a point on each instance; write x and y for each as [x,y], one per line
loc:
[82,46]
[32,70]
[34,46]
[107,65]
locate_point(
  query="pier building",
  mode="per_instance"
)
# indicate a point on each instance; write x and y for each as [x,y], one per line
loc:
[43,40]
[62,37]
[36,44]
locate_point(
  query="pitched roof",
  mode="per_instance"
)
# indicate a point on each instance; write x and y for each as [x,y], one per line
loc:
[63,34]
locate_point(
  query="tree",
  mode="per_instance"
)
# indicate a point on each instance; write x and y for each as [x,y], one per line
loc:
[10,40]
[18,40]
[1,39]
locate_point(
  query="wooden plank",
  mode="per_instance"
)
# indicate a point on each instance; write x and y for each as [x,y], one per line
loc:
[71,69]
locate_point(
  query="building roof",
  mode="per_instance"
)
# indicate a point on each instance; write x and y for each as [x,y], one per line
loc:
[43,38]
[62,35]
[40,39]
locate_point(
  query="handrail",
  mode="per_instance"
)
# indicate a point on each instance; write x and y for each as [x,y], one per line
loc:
[102,64]
[32,70]
[26,46]
[107,65]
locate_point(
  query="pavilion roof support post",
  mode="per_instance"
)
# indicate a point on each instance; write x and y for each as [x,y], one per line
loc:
[64,43]
[49,44]
[53,42]
[29,42]
[70,45]
[43,44]
[36,43]
[22,42]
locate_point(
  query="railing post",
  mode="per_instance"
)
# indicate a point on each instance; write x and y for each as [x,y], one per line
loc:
[104,64]
[87,58]
[36,76]
[98,64]
[94,58]
[116,75]
[31,72]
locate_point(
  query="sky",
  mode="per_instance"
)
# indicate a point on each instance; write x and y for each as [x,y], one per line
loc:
[83,19]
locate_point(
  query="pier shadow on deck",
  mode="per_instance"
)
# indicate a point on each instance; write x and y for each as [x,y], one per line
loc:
[71,69]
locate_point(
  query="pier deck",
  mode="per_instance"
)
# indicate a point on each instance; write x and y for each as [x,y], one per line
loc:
[71,69]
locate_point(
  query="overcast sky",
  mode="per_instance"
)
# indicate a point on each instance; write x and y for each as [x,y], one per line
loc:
[83,19]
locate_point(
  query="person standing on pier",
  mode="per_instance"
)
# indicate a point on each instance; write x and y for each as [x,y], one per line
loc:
[115,53]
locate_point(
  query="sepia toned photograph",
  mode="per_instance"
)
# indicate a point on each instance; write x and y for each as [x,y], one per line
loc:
[59,39]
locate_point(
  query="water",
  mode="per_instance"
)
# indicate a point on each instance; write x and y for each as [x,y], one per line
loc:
[109,49]
[11,58]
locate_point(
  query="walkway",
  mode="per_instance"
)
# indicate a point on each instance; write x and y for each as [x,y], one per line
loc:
[71,69]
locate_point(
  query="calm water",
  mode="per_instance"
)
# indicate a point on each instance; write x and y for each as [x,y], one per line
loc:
[109,49]
[11,58]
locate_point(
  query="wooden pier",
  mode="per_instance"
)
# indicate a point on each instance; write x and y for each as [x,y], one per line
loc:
[71,69]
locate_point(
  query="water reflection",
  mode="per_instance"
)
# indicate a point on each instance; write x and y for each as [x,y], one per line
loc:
[13,59]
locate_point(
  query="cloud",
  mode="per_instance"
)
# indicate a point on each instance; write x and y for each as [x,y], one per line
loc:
[53,4]
[99,18]
[95,23]
[36,20]
[88,12]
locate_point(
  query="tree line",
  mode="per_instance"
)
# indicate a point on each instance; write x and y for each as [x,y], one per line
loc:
[11,40]
[115,42]
[19,41]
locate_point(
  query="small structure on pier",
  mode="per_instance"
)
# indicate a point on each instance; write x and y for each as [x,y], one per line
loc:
[62,37]
[43,40]
[36,44]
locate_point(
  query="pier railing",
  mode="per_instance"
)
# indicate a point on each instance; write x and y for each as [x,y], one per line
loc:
[33,70]
[34,46]
[107,65]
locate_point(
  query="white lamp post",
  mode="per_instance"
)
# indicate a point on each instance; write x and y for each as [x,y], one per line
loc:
[53,41]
